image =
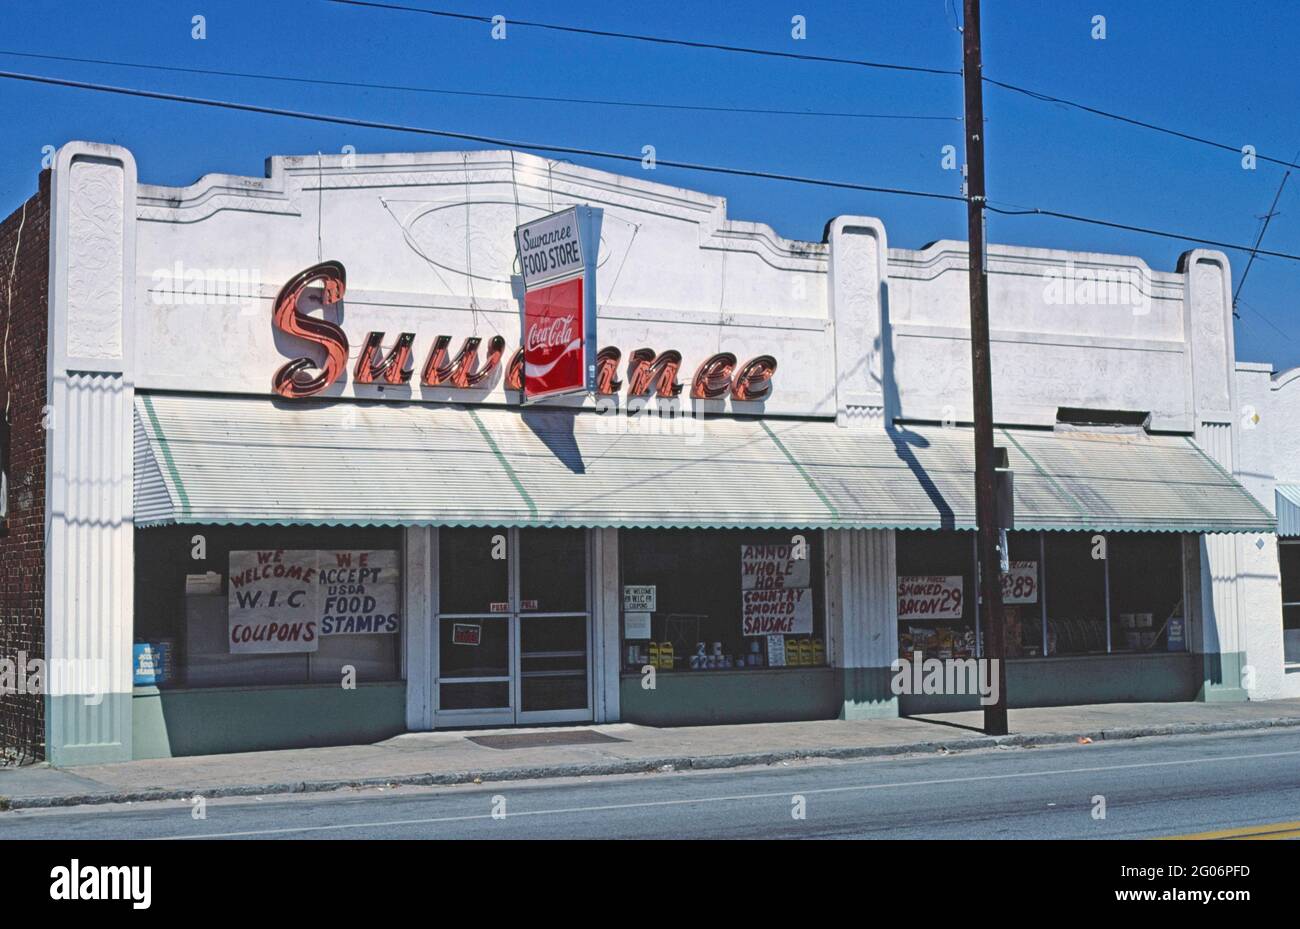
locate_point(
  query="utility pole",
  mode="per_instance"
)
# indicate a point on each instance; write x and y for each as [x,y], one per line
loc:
[986,517]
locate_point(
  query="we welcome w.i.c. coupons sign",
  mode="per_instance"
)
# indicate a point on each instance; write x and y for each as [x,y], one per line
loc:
[557,260]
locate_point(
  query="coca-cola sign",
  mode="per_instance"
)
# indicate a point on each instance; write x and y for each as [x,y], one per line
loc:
[557,262]
[554,359]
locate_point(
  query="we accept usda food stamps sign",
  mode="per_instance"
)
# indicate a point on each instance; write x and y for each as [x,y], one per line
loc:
[284,601]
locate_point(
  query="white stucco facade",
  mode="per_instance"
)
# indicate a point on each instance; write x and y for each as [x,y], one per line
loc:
[864,334]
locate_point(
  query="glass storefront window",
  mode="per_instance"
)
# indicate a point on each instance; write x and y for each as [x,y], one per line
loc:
[1064,576]
[1289,558]
[1076,594]
[937,594]
[1022,596]
[722,599]
[1146,592]
[220,606]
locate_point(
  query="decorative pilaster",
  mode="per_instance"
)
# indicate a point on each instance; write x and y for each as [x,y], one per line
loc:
[90,584]
[862,618]
[1208,302]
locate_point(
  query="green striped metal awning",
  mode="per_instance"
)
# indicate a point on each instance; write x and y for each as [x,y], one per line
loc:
[1288,511]
[223,460]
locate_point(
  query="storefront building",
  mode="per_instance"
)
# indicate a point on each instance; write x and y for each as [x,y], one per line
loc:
[285,493]
[1270,420]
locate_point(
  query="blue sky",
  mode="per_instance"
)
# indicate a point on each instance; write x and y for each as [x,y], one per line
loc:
[1226,71]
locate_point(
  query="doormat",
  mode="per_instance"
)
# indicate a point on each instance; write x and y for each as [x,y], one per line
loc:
[542,739]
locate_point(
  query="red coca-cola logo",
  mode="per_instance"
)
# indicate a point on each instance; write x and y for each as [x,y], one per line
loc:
[549,333]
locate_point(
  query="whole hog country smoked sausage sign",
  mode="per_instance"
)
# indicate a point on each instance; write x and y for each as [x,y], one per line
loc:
[775,590]
[284,601]
[557,259]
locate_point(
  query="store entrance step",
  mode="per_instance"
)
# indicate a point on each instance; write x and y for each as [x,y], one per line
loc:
[542,739]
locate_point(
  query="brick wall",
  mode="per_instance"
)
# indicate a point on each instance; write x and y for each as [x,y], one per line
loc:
[22,534]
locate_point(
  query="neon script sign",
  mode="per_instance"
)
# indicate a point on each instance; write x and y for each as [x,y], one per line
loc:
[647,372]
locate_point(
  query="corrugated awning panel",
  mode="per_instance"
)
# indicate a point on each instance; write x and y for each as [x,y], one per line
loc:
[206,459]
[1288,511]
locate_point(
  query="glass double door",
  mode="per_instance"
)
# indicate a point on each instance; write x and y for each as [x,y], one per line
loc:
[514,627]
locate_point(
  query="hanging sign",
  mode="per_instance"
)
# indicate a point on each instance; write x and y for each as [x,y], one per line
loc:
[930,596]
[551,248]
[557,260]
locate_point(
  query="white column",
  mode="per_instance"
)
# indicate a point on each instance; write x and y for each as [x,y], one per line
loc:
[421,599]
[89,555]
[1208,305]
[863,617]
[606,601]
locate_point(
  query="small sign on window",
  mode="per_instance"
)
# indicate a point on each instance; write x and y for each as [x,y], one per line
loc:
[466,634]
[639,598]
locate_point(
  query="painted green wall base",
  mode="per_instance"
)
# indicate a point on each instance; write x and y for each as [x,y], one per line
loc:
[172,723]
[866,693]
[1221,678]
[1073,681]
[702,698]
[87,730]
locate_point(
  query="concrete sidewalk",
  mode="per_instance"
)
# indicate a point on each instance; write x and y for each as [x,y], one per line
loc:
[426,758]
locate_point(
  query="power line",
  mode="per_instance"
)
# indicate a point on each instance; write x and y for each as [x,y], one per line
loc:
[467,136]
[658,40]
[1073,217]
[614,156]
[1268,218]
[1186,136]
[770,53]
[476,93]
[1258,312]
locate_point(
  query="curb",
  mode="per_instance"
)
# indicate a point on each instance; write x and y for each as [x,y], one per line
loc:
[643,765]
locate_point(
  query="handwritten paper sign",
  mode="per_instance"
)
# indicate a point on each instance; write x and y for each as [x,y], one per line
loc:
[777,611]
[775,596]
[1020,584]
[272,602]
[764,566]
[284,601]
[360,592]
[930,596]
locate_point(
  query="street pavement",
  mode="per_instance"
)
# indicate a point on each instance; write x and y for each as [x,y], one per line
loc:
[1244,783]
[452,757]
